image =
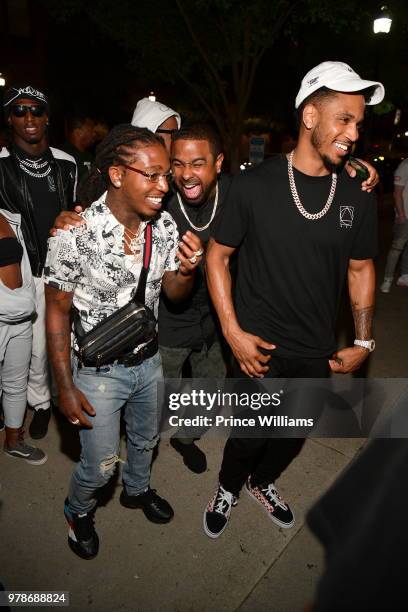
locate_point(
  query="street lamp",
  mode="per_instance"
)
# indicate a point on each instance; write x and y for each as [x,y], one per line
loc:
[382,23]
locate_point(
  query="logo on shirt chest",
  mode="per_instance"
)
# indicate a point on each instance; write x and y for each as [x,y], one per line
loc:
[346,216]
[51,183]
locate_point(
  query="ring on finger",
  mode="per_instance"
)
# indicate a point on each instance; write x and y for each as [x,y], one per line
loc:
[199,252]
[74,421]
[193,259]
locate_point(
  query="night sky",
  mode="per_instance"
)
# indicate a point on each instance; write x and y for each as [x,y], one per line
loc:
[83,68]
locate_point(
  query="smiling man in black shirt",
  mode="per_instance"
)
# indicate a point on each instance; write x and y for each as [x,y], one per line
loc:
[189,332]
[302,225]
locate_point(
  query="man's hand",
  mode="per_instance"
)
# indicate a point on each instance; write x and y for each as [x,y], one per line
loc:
[400,218]
[177,285]
[245,346]
[373,178]
[67,219]
[348,359]
[190,253]
[246,351]
[72,403]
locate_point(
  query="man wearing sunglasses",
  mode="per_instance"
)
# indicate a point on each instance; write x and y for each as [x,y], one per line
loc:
[158,118]
[37,182]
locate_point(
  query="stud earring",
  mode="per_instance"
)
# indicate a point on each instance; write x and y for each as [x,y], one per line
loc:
[118,184]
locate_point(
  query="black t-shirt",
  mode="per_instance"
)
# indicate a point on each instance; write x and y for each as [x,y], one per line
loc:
[193,321]
[44,195]
[84,160]
[291,270]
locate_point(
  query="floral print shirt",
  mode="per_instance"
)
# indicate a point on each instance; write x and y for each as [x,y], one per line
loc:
[90,261]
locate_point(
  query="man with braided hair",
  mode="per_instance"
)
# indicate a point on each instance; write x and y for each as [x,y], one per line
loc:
[96,268]
[188,331]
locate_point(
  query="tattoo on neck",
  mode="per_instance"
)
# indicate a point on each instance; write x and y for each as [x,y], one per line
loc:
[363,322]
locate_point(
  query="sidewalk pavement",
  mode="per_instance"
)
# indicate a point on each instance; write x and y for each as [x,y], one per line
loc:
[175,568]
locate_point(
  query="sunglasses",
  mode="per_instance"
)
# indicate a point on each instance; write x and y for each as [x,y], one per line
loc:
[153,177]
[163,131]
[20,110]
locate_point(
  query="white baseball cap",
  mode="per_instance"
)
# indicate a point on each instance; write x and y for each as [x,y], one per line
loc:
[151,114]
[337,76]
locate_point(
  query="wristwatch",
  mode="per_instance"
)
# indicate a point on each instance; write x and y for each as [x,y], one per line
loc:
[367,344]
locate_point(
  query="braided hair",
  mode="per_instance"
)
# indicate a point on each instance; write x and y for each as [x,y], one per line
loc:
[118,147]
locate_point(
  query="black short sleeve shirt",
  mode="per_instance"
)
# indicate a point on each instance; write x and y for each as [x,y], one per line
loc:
[193,322]
[291,270]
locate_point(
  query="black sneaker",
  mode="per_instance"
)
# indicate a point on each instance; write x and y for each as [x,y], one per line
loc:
[218,511]
[82,537]
[155,508]
[31,454]
[193,457]
[39,424]
[268,497]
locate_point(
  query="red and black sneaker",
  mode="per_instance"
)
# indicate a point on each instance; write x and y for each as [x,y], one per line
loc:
[217,513]
[268,497]
[82,537]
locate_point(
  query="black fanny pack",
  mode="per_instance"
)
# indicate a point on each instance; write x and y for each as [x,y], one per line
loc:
[121,332]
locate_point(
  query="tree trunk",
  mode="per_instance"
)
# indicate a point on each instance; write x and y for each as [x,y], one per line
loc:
[234,156]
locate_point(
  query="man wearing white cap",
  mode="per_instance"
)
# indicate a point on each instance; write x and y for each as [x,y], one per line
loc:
[158,118]
[303,227]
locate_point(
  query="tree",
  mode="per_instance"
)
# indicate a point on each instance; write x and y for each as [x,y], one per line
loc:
[214,48]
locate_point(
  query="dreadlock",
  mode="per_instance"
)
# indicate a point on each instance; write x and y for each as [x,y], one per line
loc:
[118,147]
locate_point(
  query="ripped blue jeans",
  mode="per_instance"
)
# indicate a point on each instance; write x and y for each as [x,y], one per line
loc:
[113,389]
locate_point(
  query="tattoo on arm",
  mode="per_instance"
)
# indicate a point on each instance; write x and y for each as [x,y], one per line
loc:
[363,322]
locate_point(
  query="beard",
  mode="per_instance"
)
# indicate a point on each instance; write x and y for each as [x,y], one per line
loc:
[330,164]
[333,166]
[206,194]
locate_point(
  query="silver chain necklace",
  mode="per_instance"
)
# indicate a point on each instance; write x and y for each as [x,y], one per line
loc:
[296,199]
[204,227]
[27,165]
[134,242]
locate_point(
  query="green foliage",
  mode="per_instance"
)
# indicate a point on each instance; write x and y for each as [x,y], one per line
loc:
[385,107]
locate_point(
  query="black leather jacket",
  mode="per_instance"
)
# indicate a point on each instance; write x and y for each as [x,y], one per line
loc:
[15,196]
